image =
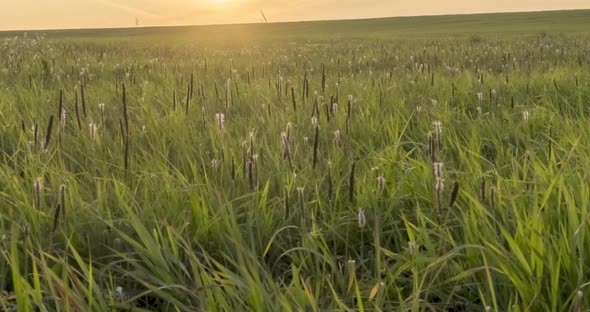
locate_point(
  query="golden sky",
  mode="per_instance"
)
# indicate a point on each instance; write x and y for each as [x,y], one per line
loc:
[47,14]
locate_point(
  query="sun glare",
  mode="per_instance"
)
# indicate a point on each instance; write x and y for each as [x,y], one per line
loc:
[220,2]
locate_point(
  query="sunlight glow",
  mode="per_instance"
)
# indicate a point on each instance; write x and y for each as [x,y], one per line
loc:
[35,14]
[220,2]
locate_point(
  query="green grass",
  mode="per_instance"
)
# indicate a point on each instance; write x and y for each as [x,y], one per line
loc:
[151,205]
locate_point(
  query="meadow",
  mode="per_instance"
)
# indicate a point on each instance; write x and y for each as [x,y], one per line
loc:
[402,164]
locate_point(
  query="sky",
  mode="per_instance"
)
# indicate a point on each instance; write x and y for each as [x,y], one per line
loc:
[62,14]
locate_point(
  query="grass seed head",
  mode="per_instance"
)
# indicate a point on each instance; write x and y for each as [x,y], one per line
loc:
[220,119]
[336,136]
[525,115]
[381,183]
[362,219]
[38,188]
[92,129]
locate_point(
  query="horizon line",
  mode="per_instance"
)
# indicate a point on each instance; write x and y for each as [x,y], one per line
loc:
[287,21]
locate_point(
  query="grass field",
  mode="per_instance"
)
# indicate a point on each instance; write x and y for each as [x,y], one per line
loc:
[403,164]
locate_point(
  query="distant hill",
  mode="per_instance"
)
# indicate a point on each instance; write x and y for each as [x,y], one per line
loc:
[572,22]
